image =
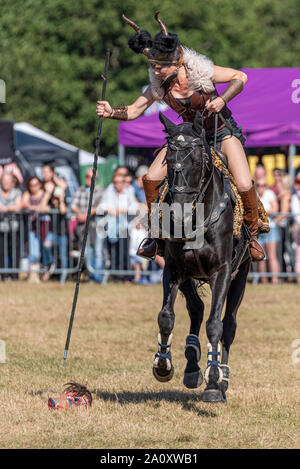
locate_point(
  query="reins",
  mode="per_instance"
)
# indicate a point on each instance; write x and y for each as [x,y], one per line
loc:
[178,168]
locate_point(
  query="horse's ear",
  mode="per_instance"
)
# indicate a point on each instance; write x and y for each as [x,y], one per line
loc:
[198,123]
[169,126]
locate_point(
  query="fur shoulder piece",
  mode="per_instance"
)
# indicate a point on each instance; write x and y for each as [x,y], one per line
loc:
[157,91]
[199,69]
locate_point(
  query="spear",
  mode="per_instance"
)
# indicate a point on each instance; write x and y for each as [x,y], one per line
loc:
[87,222]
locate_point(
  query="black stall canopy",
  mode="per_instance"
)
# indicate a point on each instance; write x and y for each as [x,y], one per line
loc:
[7,150]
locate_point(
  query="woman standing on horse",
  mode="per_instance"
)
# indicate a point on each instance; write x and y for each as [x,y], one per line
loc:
[185,80]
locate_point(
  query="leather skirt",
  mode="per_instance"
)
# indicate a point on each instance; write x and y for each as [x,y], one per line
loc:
[224,132]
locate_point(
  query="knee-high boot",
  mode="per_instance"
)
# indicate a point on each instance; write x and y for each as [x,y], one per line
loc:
[249,199]
[149,247]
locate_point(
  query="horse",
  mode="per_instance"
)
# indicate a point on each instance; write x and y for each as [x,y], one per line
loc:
[222,261]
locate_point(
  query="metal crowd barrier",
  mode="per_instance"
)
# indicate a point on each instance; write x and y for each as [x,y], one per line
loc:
[25,250]
[286,252]
[23,244]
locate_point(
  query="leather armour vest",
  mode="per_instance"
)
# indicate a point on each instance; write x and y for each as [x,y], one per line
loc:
[187,108]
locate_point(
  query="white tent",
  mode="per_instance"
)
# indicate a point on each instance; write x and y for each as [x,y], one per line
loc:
[85,157]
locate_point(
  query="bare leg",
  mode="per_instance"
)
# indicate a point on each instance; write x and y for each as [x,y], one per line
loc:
[234,150]
[271,250]
[158,170]
[262,268]
[137,269]
[160,261]
[237,162]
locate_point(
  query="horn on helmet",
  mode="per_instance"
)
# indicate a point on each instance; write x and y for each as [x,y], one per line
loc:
[132,24]
[162,25]
[139,32]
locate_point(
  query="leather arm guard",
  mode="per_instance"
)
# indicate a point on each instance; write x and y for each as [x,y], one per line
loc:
[234,88]
[119,113]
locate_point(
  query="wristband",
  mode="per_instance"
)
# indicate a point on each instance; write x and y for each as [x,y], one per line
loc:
[234,88]
[119,113]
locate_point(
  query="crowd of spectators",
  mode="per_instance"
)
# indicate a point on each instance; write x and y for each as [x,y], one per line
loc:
[40,230]
[38,227]
[282,204]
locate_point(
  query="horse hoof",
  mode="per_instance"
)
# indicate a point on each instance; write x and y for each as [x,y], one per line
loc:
[163,375]
[193,380]
[213,395]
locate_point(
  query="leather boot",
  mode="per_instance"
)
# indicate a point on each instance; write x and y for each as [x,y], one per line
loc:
[150,247]
[249,199]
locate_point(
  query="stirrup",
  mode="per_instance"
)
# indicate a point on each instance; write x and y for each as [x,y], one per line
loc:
[142,251]
[261,250]
[263,227]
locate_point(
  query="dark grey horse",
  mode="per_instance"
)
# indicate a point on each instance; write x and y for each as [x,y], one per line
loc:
[222,261]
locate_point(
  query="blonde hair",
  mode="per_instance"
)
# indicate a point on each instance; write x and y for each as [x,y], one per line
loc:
[6,173]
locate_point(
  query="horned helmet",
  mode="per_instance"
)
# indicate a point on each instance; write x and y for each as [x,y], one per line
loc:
[162,50]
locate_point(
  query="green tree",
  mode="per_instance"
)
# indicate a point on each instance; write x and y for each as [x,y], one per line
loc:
[53,51]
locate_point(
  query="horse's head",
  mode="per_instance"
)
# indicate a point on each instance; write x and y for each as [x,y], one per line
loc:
[187,158]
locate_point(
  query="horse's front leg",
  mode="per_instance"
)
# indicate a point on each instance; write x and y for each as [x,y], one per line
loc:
[163,369]
[219,283]
[193,377]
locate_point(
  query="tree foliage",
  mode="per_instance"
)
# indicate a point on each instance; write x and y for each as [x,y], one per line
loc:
[53,51]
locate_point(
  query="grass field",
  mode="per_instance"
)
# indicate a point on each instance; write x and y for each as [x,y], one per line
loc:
[113,343]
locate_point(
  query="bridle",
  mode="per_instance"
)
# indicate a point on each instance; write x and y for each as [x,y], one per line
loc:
[183,143]
[179,144]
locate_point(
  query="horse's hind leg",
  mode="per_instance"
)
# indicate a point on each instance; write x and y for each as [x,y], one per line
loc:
[193,377]
[234,299]
[219,283]
[163,369]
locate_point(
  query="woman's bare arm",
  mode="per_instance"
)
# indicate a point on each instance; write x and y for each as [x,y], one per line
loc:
[44,205]
[226,75]
[274,207]
[16,206]
[131,112]
[285,207]
[141,104]
[25,201]
[236,79]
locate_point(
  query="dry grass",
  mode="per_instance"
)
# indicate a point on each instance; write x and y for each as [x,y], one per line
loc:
[113,342]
